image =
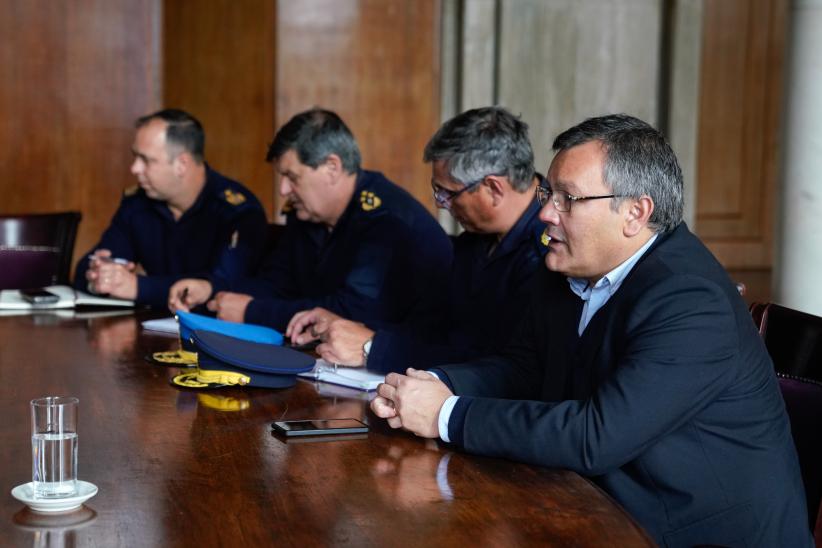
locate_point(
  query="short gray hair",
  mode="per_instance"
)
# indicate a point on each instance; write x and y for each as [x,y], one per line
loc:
[639,162]
[314,135]
[481,142]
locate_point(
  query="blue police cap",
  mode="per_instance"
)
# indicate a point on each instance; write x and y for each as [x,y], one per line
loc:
[229,361]
[247,332]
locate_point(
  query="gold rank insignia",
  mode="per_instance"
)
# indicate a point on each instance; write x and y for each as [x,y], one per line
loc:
[545,239]
[131,191]
[369,200]
[233,198]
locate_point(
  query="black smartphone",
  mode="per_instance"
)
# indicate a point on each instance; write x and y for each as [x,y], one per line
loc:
[38,296]
[317,427]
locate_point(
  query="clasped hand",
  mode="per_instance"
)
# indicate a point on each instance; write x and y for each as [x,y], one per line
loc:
[411,401]
[107,277]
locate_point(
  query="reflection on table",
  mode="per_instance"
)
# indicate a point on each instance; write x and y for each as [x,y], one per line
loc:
[185,468]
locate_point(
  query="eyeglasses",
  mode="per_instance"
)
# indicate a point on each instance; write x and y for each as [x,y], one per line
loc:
[445,197]
[562,200]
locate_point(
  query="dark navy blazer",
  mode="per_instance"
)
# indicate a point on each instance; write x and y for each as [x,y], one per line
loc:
[486,297]
[386,258]
[668,401]
[222,233]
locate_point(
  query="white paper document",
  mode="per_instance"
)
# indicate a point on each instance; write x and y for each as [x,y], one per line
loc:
[11,299]
[163,325]
[353,377]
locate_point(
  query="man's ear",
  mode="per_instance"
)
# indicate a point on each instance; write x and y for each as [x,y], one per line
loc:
[334,166]
[182,163]
[496,187]
[637,215]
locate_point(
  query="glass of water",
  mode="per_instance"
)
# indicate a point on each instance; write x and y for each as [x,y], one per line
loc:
[54,446]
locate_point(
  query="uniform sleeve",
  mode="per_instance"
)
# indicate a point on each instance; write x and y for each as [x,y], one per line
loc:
[272,277]
[680,338]
[358,297]
[426,344]
[394,272]
[234,257]
[240,255]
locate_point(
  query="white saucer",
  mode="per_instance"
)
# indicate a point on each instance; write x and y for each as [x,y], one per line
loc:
[25,494]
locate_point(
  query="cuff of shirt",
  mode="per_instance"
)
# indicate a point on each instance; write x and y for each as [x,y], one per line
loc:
[445,416]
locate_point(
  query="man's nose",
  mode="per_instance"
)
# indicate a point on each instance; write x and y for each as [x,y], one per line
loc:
[285,186]
[549,214]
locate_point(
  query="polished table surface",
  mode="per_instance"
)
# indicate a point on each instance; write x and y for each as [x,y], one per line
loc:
[186,468]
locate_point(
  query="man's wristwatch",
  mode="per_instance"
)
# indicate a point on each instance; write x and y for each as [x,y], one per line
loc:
[366,349]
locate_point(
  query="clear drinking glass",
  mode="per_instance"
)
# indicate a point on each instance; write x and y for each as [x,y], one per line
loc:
[54,446]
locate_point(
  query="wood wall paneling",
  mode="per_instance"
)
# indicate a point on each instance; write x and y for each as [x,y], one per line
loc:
[74,77]
[374,62]
[219,66]
[738,117]
[563,61]
[741,92]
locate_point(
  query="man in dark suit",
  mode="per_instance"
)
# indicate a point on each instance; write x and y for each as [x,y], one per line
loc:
[637,363]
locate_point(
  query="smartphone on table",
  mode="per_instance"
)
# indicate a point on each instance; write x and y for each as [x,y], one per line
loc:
[38,296]
[317,427]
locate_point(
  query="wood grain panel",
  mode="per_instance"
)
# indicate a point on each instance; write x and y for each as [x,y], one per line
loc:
[219,66]
[741,92]
[566,60]
[374,62]
[74,77]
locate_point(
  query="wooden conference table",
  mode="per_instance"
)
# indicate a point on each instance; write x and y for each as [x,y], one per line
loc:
[187,468]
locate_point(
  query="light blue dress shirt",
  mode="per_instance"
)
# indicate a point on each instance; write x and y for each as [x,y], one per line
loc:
[595,298]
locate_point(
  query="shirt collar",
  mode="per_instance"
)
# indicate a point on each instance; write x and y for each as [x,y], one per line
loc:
[613,279]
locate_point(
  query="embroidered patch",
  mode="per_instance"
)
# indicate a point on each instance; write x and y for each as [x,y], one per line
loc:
[369,200]
[233,198]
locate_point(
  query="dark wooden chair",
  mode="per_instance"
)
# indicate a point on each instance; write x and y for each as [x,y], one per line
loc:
[794,341]
[36,249]
[793,338]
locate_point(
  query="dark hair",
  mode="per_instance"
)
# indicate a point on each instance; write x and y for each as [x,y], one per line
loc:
[314,135]
[183,131]
[639,162]
[481,142]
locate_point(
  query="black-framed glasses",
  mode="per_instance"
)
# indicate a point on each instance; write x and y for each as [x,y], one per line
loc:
[562,200]
[445,197]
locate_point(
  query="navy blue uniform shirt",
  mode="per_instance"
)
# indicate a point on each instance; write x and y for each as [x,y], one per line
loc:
[222,233]
[490,287]
[386,258]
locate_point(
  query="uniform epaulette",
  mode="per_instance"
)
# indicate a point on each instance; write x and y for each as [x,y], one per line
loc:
[233,198]
[131,191]
[369,201]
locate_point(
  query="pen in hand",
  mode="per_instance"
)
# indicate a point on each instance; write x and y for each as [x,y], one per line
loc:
[184,296]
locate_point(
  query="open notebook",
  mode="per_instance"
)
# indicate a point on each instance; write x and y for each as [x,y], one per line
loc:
[10,299]
[352,377]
